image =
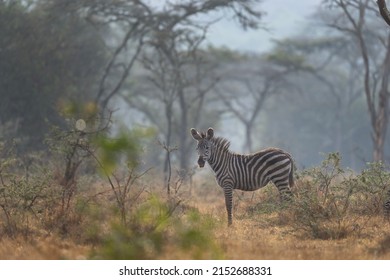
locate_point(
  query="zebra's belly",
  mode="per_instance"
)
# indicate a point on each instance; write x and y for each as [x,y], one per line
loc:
[244,184]
[247,187]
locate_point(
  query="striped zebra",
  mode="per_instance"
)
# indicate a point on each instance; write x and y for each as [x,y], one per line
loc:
[244,172]
[386,206]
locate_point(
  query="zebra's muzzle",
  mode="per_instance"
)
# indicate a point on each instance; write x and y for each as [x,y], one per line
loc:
[201,162]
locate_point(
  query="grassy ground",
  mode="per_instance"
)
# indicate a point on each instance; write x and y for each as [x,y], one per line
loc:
[272,236]
[49,248]
[251,240]
[260,231]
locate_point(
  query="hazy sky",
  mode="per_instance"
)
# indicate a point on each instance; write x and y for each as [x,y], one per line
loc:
[283,18]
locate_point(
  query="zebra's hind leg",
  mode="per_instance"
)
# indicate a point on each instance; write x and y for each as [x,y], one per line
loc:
[285,192]
[286,196]
[386,208]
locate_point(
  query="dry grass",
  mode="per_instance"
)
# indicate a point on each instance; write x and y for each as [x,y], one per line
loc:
[255,234]
[248,240]
[49,248]
[272,236]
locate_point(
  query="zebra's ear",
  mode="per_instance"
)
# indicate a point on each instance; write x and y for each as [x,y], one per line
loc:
[195,134]
[210,133]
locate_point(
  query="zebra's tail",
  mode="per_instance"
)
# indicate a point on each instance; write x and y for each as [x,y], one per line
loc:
[291,177]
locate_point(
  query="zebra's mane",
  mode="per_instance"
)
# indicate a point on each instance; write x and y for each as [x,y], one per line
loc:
[221,143]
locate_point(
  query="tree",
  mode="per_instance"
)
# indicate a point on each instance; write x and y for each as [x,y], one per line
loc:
[245,88]
[331,60]
[325,112]
[122,26]
[180,81]
[46,56]
[179,70]
[354,19]
[384,11]
[134,22]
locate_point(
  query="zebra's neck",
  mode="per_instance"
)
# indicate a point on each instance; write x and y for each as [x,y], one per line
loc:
[219,158]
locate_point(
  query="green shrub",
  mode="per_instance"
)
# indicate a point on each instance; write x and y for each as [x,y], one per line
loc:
[22,193]
[323,201]
[371,189]
[267,202]
[333,203]
[153,232]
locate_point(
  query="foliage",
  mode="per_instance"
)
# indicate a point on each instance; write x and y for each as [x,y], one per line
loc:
[123,148]
[141,225]
[51,60]
[282,58]
[46,56]
[195,235]
[55,190]
[269,202]
[22,194]
[142,238]
[330,201]
[154,230]
[371,187]
[322,203]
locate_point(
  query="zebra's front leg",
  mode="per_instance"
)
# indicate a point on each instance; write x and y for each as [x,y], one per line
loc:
[228,191]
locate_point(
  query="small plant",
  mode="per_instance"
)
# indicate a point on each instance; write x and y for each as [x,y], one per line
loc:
[269,202]
[117,160]
[21,195]
[372,186]
[154,230]
[142,238]
[323,201]
[195,236]
[89,144]
[68,151]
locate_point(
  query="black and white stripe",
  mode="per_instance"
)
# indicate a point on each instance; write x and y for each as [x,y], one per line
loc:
[386,206]
[244,172]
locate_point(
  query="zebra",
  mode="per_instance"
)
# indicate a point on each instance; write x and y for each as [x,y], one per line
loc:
[244,172]
[386,206]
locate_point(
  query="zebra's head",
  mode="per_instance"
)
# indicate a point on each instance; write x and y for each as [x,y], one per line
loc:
[204,144]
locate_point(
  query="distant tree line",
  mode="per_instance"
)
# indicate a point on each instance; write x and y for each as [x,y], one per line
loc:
[56,55]
[47,58]
[309,94]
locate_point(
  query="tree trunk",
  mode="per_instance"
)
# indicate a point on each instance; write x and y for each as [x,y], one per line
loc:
[248,138]
[168,114]
[183,132]
[384,11]
[381,121]
[381,117]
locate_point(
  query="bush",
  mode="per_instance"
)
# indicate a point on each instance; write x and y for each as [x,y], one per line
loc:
[371,189]
[332,203]
[153,232]
[324,196]
[22,194]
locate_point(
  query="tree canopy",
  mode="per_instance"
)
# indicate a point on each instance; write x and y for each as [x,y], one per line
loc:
[46,57]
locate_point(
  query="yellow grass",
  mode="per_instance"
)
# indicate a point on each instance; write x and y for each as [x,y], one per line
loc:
[247,240]
[252,236]
[271,236]
[49,248]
